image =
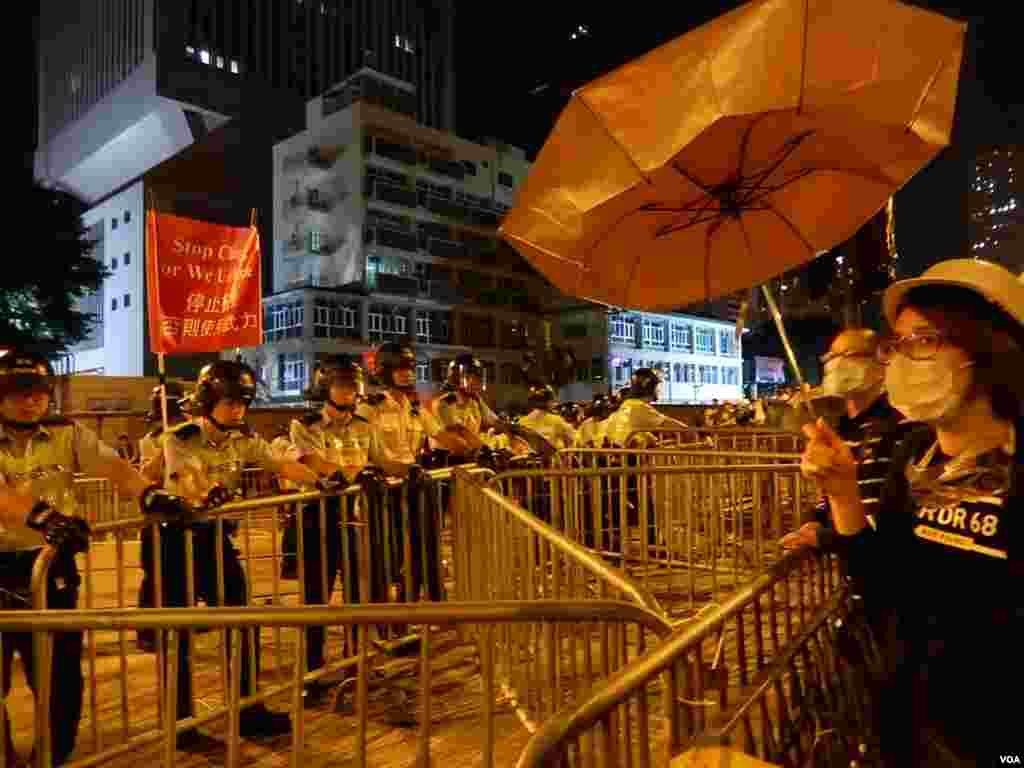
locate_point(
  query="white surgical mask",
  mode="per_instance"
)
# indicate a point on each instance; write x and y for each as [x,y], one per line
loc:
[927,390]
[845,376]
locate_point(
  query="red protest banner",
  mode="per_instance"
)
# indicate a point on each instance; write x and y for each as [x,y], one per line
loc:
[203,282]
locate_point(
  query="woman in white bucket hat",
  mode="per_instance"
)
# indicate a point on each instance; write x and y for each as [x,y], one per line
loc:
[946,558]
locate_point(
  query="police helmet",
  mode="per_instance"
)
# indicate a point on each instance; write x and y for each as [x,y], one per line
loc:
[22,371]
[644,384]
[395,356]
[541,395]
[599,408]
[571,412]
[337,370]
[465,364]
[221,380]
[175,396]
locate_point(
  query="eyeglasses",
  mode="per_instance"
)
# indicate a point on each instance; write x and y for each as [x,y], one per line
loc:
[916,346]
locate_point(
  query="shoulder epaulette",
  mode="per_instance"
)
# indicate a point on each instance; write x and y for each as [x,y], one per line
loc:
[56,421]
[313,417]
[186,431]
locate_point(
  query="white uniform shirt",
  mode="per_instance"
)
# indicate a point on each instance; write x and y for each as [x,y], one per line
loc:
[591,433]
[197,463]
[346,445]
[399,433]
[636,416]
[551,427]
[55,451]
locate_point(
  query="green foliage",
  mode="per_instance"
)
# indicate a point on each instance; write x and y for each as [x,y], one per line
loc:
[40,286]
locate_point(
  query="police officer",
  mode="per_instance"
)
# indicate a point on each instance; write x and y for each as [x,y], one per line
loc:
[335,443]
[39,456]
[591,431]
[462,408]
[402,429]
[542,420]
[151,455]
[205,459]
[636,412]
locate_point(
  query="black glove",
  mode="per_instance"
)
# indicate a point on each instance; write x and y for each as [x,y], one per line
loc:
[157,502]
[68,534]
[218,496]
[371,473]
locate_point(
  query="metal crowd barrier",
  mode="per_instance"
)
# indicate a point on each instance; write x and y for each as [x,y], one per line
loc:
[683,532]
[491,621]
[112,571]
[502,552]
[726,672]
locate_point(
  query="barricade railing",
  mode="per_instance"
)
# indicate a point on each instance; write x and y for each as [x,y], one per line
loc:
[753,440]
[685,533]
[698,455]
[522,627]
[715,667]
[187,564]
[502,552]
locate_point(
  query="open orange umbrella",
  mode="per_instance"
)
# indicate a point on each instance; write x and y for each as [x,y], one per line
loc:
[737,151]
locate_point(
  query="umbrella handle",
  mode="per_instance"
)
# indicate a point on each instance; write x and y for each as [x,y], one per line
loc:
[777,316]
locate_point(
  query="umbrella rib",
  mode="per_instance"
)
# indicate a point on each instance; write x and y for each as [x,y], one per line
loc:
[615,141]
[924,95]
[745,144]
[792,228]
[791,147]
[706,188]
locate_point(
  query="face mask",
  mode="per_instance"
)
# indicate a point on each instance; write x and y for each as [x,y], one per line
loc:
[927,390]
[845,377]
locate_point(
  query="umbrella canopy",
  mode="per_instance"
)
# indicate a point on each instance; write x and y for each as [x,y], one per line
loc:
[737,151]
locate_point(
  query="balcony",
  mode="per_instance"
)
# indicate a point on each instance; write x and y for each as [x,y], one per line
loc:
[445,208]
[396,284]
[448,168]
[389,193]
[445,249]
[399,153]
[391,238]
[444,291]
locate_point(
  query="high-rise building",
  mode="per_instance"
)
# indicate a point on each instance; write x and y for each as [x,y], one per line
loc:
[387,228]
[996,210]
[125,84]
[178,104]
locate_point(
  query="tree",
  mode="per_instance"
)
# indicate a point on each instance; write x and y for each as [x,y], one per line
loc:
[40,288]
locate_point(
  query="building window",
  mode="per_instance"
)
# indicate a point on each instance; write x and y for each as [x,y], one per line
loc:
[708,374]
[730,375]
[332,321]
[283,321]
[376,325]
[706,341]
[422,372]
[127,300]
[682,337]
[404,43]
[622,329]
[398,325]
[423,327]
[113,263]
[727,343]
[127,217]
[291,371]
[677,373]
[127,259]
[113,305]
[113,223]
[506,179]
[690,373]
[597,369]
[654,333]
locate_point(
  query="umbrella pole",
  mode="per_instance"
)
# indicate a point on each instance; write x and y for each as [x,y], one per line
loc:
[777,316]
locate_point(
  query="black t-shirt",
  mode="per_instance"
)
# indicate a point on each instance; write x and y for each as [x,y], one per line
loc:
[946,558]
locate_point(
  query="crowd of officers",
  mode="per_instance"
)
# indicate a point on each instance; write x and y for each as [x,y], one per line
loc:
[196,464]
